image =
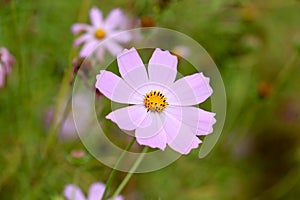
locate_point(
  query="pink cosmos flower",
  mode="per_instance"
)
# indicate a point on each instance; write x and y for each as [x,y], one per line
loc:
[99,30]
[6,62]
[72,192]
[68,129]
[161,109]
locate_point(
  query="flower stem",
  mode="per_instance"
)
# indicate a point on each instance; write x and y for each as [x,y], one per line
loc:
[130,173]
[285,71]
[113,172]
[63,97]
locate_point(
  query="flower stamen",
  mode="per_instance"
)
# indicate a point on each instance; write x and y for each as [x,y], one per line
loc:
[155,101]
[100,33]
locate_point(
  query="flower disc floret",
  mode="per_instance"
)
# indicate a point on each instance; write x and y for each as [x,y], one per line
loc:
[155,101]
[100,33]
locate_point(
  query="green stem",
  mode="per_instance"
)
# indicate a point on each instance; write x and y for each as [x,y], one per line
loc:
[285,72]
[113,172]
[51,139]
[64,91]
[130,173]
[20,45]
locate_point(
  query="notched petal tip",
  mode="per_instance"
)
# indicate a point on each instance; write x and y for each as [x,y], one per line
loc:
[213,119]
[195,144]
[148,136]
[99,79]
[207,81]
[165,54]
[125,51]
[101,73]
[206,127]
[154,146]
[162,67]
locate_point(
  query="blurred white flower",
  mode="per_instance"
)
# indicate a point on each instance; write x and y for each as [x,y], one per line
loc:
[100,30]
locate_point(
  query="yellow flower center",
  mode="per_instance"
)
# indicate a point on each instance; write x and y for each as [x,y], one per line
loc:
[100,33]
[155,101]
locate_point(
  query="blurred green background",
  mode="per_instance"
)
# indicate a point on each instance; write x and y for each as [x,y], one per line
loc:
[255,44]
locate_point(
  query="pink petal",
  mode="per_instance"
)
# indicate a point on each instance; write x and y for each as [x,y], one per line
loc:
[162,67]
[180,137]
[72,192]
[191,90]
[96,17]
[153,135]
[150,86]
[2,76]
[100,53]
[68,129]
[113,48]
[81,39]
[116,89]
[132,68]
[96,191]
[7,59]
[114,19]
[185,142]
[80,27]
[200,121]
[130,117]
[88,48]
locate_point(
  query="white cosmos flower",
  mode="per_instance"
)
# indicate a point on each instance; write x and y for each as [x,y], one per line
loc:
[100,30]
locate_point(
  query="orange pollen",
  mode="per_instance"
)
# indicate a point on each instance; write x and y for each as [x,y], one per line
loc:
[100,33]
[155,101]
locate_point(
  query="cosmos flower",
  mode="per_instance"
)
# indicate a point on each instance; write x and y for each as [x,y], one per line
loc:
[161,109]
[68,129]
[96,190]
[6,62]
[100,30]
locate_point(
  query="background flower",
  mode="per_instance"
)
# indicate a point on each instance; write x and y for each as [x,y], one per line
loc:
[72,192]
[100,30]
[68,129]
[6,62]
